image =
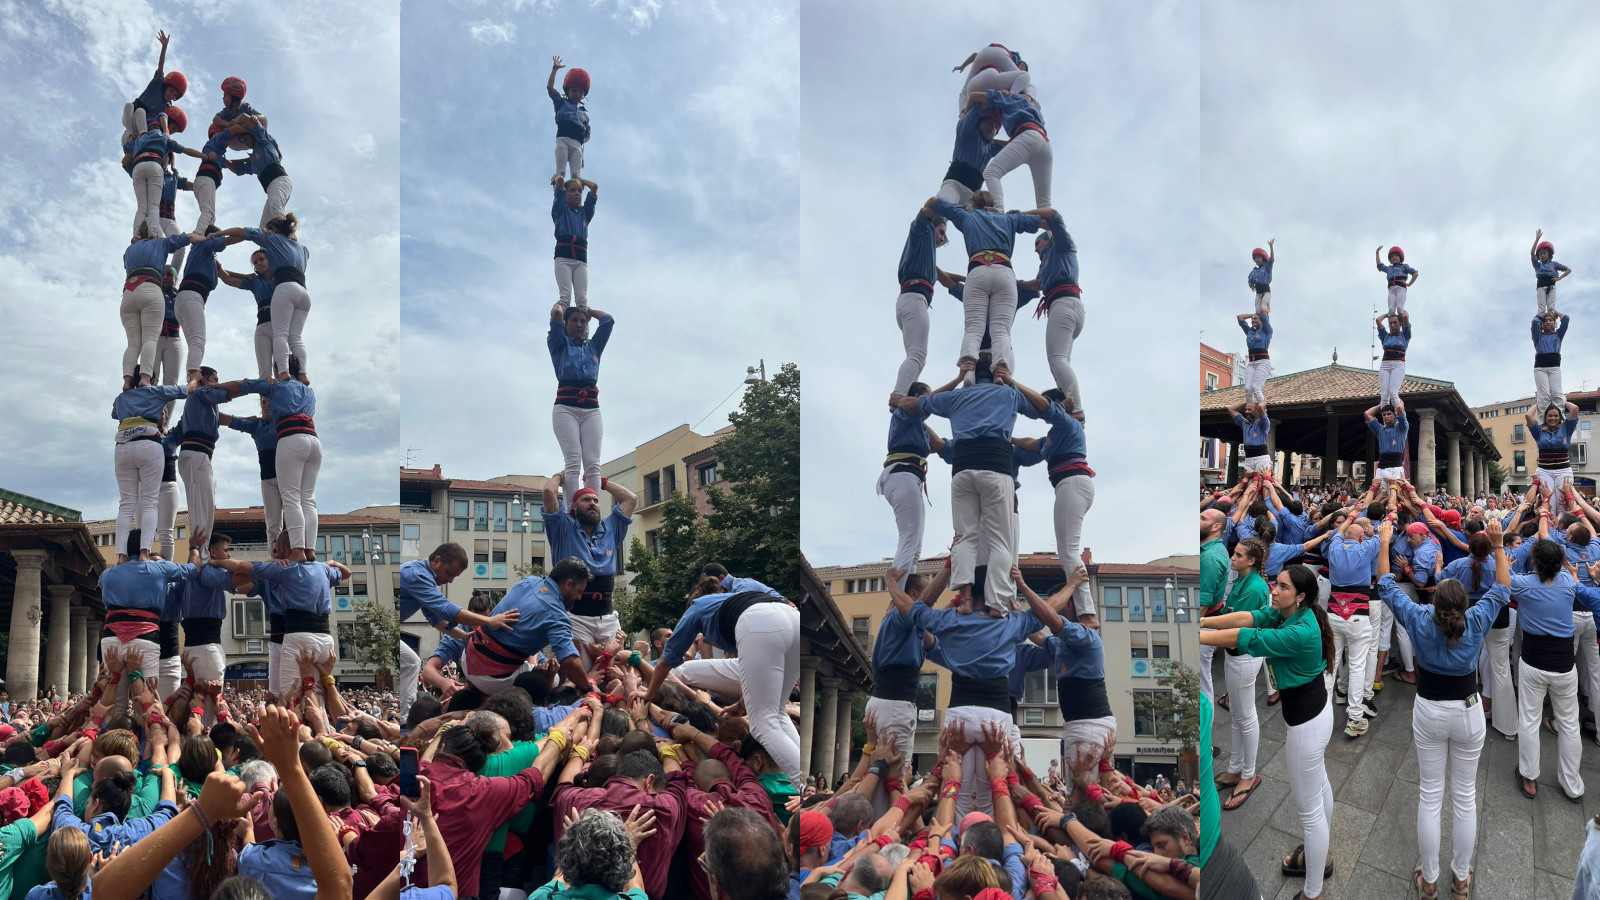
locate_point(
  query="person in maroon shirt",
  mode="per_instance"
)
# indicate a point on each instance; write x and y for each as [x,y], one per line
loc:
[641,780]
[720,780]
[470,807]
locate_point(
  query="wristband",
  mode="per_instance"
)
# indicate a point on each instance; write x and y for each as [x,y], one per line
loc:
[1031,804]
[878,768]
[1105,765]
[16,776]
[902,804]
[1119,850]
[135,675]
[604,482]
[196,711]
[671,751]
[1094,793]
[989,757]
[328,680]
[951,788]
[894,785]
[883,840]
[1043,883]
[581,752]
[559,738]
[634,659]
[116,678]
[867,749]
[308,683]
[189,679]
[924,894]
[997,787]
[613,699]
[1179,869]
[1013,780]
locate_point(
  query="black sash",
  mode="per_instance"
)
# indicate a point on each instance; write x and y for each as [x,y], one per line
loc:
[1546,653]
[201,631]
[981,455]
[275,627]
[1304,702]
[1391,460]
[267,459]
[1254,450]
[198,287]
[289,273]
[896,682]
[990,693]
[169,639]
[299,621]
[1082,698]
[967,176]
[596,597]
[266,175]
[734,607]
[1444,688]
[1547,360]
[169,469]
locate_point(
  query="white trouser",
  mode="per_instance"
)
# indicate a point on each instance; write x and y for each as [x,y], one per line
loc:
[1085,736]
[989,303]
[313,643]
[406,682]
[578,434]
[299,459]
[291,303]
[274,657]
[1546,299]
[169,677]
[897,727]
[1263,301]
[911,314]
[207,663]
[1381,618]
[494,684]
[272,507]
[138,468]
[1303,747]
[1532,685]
[147,177]
[1397,299]
[133,121]
[1547,389]
[191,310]
[1255,380]
[205,197]
[903,490]
[1245,731]
[199,490]
[1207,654]
[1498,685]
[768,635]
[572,281]
[1391,375]
[974,793]
[1063,324]
[1554,483]
[142,310]
[1402,639]
[1351,637]
[588,630]
[569,157]
[1005,76]
[980,505]
[167,516]
[1588,656]
[1447,731]
[278,191]
[169,360]
[264,350]
[955,192]
[148,663]
[169,227]
[1074,497]
[1028,148]
[1257,465]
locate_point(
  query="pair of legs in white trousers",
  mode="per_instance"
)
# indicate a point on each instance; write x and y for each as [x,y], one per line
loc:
[299,459]
[169,677]
[1063,324]
[897,726]
[1031,149]
[569,157]
[955,192]
[1255,380]
[207,663]
[272,509]
[191,310]
[1391,375]
[1263,301]
[903,490]
[578,434]
[1074,497]
[572,281]
[980,505]
[278,191]
[1352,637]
[1207,654]
[406,682]
[989,303]
[167,516]
[1303,748]
[1447,732]
[264,350]
[1494,669]
[291,304]
[1545,297]
[142,310]
[199,490]
[1397,299]
[1382,620]
[768,635]
[1547,388]
[205,197]
[1554,483]
[911,314]
[593,630]
[148,665]
[147,177]
[138,468]
[318,645]
[1533,684]
[974,793]
[994,70]
[1086,736]
[1588,658]
[1244,728]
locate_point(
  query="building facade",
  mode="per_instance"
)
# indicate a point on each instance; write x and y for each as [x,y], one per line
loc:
[1519,453]
[1218,370]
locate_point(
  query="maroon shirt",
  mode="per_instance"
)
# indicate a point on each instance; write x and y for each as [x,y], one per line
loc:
[469,808]
[376,849]
[745,791]
[620,796]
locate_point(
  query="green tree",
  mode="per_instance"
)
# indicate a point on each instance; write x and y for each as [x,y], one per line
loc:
[1497,476]
[374,637]
[1177,709]
[661,581]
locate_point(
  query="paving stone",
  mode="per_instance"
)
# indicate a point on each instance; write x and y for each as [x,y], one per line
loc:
[1558,834]
[1549,887]
[1370,781]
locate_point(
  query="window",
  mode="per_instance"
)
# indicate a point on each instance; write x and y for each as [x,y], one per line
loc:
[1211,381]
[1159,646]
[480,515]
[516,515]
[255,646]
[1033,716]
[1158,604]
[1039,687]
[1518,433]
[358,585]
[411,532]
[480,558]
[1519,460]
[861,627]
[669,480]
[652,540]
[1489,433]
[1205,449]
[497,559]
[347,641]
[1136,604]
[863,585]
[249,618]
[358,550]
[707,474]
[1139,652]
[499,515]
[1180,597]
[1583,431]
[462,511]
[1580,454]
[182,532]
[1111,603]
[927,699]
[652,489]
[336,547]
[536,525]
[1144,715]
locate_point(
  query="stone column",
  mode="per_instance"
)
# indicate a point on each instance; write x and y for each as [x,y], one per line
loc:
[1452,463]
[829,716]
[22,657]
[57,653]
[1330,455]
[78,665]
[841,755]
[1272,456]
[1233,463]
[1427,474]
[808,710]
[1469,469]
[1372,456]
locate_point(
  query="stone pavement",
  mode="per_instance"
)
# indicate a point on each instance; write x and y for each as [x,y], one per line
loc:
[1526,849]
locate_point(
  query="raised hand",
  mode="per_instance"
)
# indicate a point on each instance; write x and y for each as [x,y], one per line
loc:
[640,824]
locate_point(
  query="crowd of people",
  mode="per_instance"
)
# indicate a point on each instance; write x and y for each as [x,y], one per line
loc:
[1488,602]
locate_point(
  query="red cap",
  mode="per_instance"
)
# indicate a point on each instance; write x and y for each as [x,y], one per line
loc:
[213,130]
[1416,528]
[176,80]
[1451,518]
[1396,250]
[576,78]
[7,733]
[973,818]
[583,492]
[176,120]
[1259,252]
[233,86]
[1546,245]
[816,829]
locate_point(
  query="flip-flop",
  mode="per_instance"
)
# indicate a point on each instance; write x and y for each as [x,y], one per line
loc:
[1531,795]
[1293,872]
[1238,799]
[1223,702]
[1273,698]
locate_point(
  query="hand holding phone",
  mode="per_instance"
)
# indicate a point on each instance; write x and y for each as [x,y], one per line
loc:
[407,779]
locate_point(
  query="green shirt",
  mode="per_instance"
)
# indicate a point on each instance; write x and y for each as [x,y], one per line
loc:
[555,891]
[779,790]
[15,839]
[833,882]
[146,794]
[510,762]
[1210,803]
[1249,594]
[1213,572]
[1138,888]
[1293,648]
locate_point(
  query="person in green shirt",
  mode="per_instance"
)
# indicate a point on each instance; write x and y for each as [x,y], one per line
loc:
[1293,636]
[17,839]
[1249,593]
[1213,581]
[595,860]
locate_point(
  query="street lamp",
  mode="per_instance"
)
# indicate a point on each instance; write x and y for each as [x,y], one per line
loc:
[752,375]
[527,523]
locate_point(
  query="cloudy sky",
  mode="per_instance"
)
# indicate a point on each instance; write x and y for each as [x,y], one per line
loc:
[694,113]
[1342,130]
[327,79]
[1118,88]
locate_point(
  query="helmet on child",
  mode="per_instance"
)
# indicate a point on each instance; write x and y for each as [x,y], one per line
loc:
[575,78]
[234,87]
[1396,251]
[177,121]
[177,82]
[214,129]
[1258,252]
[1546,245]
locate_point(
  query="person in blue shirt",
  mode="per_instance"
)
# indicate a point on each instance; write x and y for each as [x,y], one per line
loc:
[419,590]
[167,500]
[496,656]
[1553,434]
[1255,425]
[917,273]
[297,460]
[902,484]
[1546,272]
[165,88]
[1060,302]
[572,213]
[897,655]
[109,801]
[143,304]
[171,184]
[1088,723]
[1547,337]
[189,304]
[580,531]
[291,303]
[1260,277]
[150,155]
[305,592]
[264,434]
[233,105]
[199,425]
[1396,273]
[989,303]
[138,460]
[572,119]
[1065,452]
[1388,423]
[1027,144]
[1395,338]
[203,607]
[975,146]
[169,346]
[135,594]
[575,418]
[261,286]
[1257,328]
[265,162]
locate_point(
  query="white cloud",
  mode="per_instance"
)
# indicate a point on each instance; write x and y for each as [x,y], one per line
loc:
[492,32]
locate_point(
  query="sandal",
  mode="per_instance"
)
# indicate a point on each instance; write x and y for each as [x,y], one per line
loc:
[1272,698]
[1429,893]
[1459,890]
[1407,677]
[1237,799]
[1522,785]
[1223,702]
[1299,853]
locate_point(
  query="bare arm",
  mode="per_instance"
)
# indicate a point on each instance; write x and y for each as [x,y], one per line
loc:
[621,497]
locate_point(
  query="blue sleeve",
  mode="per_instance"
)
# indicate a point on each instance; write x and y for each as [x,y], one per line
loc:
[1063,240]
[435,605]
[546,717]
[1373,426]
[1013,864]
[934,404]
[924,617]
[560,636]
[1481,615]
[557,526]
[1026,407]
[254,236]
[177,241]
[947,452]
[269,572]
[1589,597]
[555,98]
[1405,331]
[951,211]
[1565,321]
[682,638]
[1244,326]
[1570,426]
[959,290]
[1021,223]
[255,386]
[588,207]
[1024,457]
[602,335]
[556,339]
[1238,419]
[63,816]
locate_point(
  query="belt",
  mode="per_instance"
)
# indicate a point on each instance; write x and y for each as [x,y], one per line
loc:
[1303,702]
[199,287]
[734,607]
[299,621]
[988,258]
[289,273]
[918,286]
[964,174]
[991,693]
[275,627]
[485,649]
[211,170]
[1254,450]
[194,440]
[1394,355]
[197,632]
[1555,459]
[1258,355]
[1547,360]
[1397,283]
[1348,603]
[168,639]
[896,682]
[1030,126]
[296,424]
[148,156]
[1391,460]
[267,175]
[581,394]
[915,460]
[981,454]
[572,247]
[1067,468]
[267,461]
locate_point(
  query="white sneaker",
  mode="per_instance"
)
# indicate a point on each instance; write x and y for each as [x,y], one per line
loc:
[1340,698]
[1355,728]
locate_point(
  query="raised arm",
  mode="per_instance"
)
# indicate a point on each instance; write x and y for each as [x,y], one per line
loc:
[552,503]
[1533,251]
[556,65]
[621,497]
[278,738]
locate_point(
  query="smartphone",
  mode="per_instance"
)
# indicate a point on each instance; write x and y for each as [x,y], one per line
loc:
[680,720]
[407,779]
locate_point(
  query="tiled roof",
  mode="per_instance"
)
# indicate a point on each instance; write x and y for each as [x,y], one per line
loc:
[1329,383]
[21,509]
[1572,396]
[436,476]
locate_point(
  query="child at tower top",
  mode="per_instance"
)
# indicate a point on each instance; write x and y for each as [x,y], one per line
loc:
[572,119]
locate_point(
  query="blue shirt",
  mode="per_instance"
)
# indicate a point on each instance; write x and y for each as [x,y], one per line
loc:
[571,222]
[972,149]
[169,313]
[1545,607]
[262,432]
[153,99]
[1255,433]
[543,621]
[1397,341]
[301,587]
[1558,439]
[269,597]
[547,717]
[1015,111]
[1260,275]
[154,141]
[979,410]
[986,229]
[599,551]
[907,434]
[1391,438]
[746,585]
[201,264]
[1350,563]
[1278,555]
[152,253]
[1581,557]
[141,585]
[449,650]
[1292,529]
[1548,343]
[1397,273]
[146,402]
[281,867]
[1434,653]
[1461,570]
[572,120]
[206,595]
[1257,339]
[52,892]
[105,829]
[287,398]
[917,258]
[200,413]
[1079,652]
[1423,558]
[1058,265]
[170,183]
[265,154]
[897,643]
[262,288]
[419,589]
[975,645]
[1065,440]
[703,617]
[1546,272]
[578,360]
[282,253]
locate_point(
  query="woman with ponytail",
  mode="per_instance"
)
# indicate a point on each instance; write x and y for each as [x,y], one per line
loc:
[1447,720]
[1478,572]
[1248,595]
[67,860]
[1293,636]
